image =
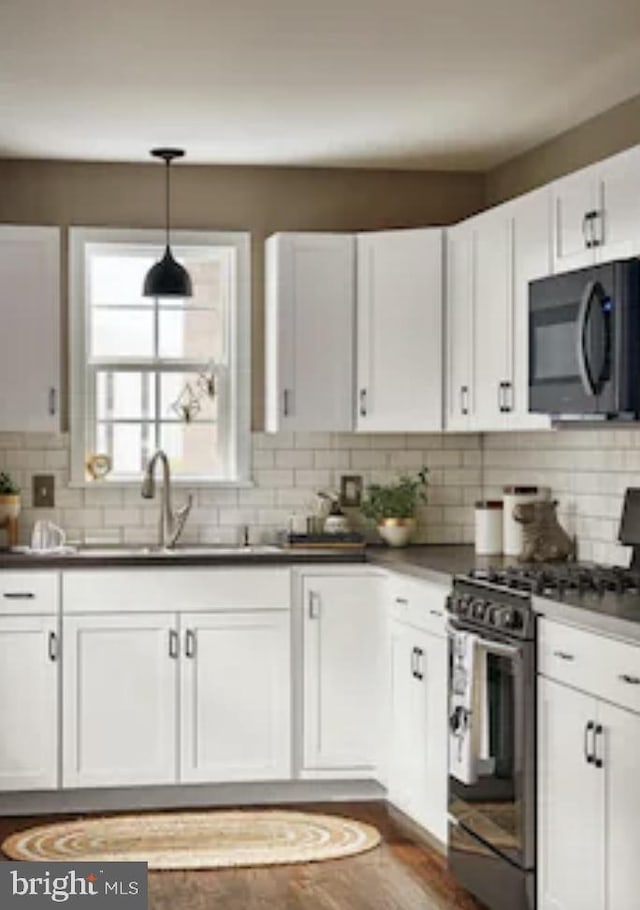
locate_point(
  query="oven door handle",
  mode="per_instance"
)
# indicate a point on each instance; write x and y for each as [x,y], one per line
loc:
[584,367]
[488,644]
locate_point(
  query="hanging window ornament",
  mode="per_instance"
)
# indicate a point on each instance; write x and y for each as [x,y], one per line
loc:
[207,380]
[187,405]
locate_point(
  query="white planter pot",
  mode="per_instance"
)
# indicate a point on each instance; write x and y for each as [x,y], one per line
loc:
[397,531]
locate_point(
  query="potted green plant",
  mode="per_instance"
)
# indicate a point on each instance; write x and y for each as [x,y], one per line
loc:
[9,497]
[393,506]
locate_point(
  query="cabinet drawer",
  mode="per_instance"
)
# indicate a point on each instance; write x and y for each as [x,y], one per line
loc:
[171,590]
[604,667]
[28,592]
[418,603]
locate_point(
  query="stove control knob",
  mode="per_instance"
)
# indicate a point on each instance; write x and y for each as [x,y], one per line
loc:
[479,609]
[464,605]
[509,618]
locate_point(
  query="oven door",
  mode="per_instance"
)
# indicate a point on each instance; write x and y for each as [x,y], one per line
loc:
[572,349]
[499,806]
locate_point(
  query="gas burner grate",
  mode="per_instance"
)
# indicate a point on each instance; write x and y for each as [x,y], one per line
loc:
[559,579]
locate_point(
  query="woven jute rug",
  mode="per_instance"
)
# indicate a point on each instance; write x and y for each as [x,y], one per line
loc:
[197,840]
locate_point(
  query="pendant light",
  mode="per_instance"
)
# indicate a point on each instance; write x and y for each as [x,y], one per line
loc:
[167,278]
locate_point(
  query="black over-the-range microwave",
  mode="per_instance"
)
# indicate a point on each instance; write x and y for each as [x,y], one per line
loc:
[584,342]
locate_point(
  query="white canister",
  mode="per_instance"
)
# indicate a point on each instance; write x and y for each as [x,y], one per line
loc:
[512,539]
[488,517]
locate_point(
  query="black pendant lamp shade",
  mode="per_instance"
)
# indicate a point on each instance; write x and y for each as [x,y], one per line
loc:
[167,278]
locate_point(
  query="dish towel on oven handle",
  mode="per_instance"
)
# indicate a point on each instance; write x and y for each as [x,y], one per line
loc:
[468,714]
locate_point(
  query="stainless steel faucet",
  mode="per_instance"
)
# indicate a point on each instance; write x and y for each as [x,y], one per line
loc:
[171,523]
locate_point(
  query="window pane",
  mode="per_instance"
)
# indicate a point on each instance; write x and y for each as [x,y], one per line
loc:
[125,395]
[192,448]
[119,279]
[121,333]
[210,272]
[128,444]
[191,334]
[173,391]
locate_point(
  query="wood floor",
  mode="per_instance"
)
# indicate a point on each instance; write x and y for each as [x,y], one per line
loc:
[399,875]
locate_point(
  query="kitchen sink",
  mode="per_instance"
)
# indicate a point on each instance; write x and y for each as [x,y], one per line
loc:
[177,552]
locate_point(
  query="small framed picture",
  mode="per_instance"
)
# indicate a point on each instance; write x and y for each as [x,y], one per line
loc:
[350,490]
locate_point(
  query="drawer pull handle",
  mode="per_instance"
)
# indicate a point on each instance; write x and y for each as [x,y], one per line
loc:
[564,655]
[314,605]
[173,644]
[402,601]
[597,758]
[19,595]
[627,678]
[436,612]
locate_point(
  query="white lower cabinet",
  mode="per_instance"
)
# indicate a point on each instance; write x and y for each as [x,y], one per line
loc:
[235,696]
[343,653]
[28,703]
[570,803]
[588,790]
[417,773]
[119,700]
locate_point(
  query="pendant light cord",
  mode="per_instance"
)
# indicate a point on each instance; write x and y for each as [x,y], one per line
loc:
[168,203]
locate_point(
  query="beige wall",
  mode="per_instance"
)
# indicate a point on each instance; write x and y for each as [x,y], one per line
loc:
[604,135]
[261,200]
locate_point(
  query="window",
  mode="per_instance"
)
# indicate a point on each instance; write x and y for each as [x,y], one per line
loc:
[142,370]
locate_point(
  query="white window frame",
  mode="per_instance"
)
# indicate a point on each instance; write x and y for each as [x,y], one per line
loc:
[239,338]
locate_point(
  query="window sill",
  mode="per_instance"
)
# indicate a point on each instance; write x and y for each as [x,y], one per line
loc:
[184,482]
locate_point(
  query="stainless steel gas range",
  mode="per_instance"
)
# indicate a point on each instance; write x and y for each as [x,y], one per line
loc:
[492,742]
[492,716]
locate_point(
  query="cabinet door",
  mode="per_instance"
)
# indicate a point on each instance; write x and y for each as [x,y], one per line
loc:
[310,314]
[235,696]
[432,665]
[402,741]
[343,673]
[573,198]
[28,703]
[618,226]
[621,742]
[30,307]
[399,319]
[570,803]
[120,700]
[459,326]
[492,318]
[531,258]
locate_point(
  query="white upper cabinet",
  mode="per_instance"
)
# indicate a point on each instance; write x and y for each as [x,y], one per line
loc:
[492,319]
[310,313]
[597,213]
[491,259]
[574,208]
[530,222]
[399,331]
[618,198]
[459,326]
[30,308]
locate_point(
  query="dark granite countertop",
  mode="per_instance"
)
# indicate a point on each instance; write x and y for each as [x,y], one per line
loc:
[611,614]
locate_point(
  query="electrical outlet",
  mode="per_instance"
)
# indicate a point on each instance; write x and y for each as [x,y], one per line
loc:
[43,491]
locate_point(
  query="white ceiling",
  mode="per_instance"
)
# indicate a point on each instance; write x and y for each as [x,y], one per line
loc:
[407,83]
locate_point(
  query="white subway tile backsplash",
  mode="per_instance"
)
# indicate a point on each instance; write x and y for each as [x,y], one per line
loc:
[588,471]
